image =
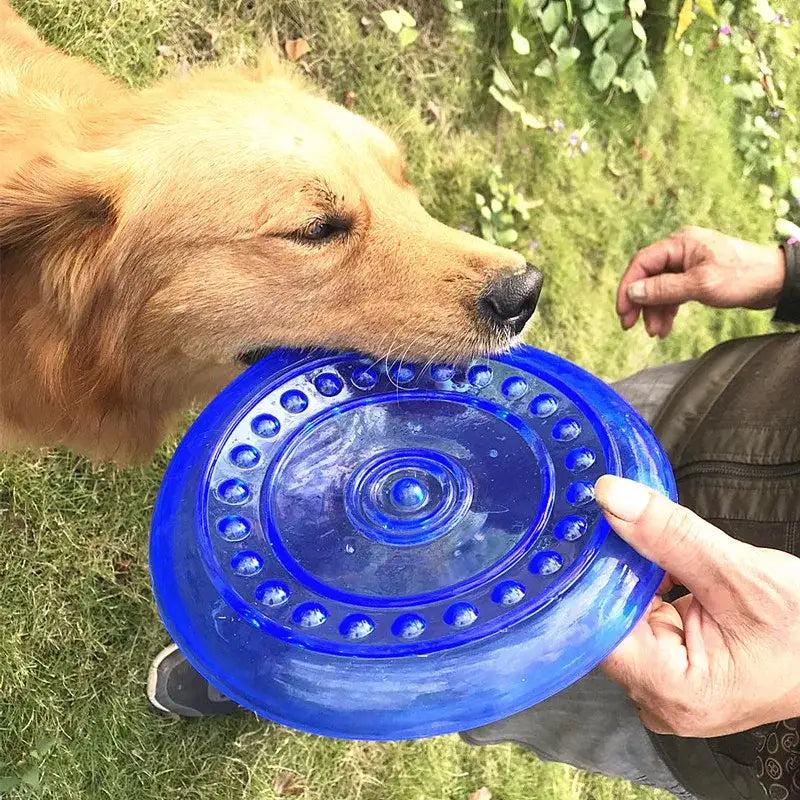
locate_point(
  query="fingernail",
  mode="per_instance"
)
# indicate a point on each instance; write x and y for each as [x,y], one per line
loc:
[636,291]
[621,497]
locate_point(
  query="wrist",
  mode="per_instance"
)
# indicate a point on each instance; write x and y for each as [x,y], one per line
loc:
[774,275]
[788,304]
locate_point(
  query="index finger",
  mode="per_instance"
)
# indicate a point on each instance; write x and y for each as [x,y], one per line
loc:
[665,255]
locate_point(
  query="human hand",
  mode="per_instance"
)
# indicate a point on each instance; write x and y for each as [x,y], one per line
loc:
[697,264]
[724,658]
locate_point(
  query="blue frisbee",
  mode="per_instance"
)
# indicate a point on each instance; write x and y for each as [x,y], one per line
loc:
[373,551]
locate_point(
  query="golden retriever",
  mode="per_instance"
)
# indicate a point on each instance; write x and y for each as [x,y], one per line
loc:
[150,238]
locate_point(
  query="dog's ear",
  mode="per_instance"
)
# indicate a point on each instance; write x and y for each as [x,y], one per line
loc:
[56,217]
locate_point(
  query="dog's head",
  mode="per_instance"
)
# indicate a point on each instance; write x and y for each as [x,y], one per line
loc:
[227,212]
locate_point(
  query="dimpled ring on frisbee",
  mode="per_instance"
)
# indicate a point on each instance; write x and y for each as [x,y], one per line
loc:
[375,553]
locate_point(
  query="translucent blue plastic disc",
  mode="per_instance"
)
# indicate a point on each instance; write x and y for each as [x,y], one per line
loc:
[389,554]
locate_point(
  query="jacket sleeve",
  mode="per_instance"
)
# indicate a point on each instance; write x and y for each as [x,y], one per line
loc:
[788,308]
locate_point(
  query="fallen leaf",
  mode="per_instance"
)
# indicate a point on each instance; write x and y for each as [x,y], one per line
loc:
[349,98]
[406,18]
[287,785]
[122,569]
[165,51]
[482,794]
[392,20]
[407,36]
[434,111]
[296,48]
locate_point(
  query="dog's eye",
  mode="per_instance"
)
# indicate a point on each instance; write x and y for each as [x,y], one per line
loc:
[319,231]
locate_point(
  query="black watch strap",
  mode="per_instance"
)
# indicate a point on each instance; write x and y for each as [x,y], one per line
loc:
[788,308]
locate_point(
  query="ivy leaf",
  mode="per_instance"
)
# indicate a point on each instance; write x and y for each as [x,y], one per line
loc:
[600,45]
[544,69]
[529,121]
[782,207]
[595,22]
[786,228]
[501,80]
[508,103]
[621,39]
[566,58]
[639,31]
[480,200]
[392,20]
[507,237]
[765,195]
[610,6]
[634,68]
[520,44]
[794,187]
[516,8]
[743,91]
[637,7]
[584,5]
[407,36]
[686,17]
[406,18]
[622,84]
[486,231]
[560,39]
[553,15]
[645,87]
[707,7]
[603,71]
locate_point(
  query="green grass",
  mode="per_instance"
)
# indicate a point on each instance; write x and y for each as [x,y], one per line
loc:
[78,623]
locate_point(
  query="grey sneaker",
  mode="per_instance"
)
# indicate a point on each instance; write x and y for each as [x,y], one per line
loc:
[175,687]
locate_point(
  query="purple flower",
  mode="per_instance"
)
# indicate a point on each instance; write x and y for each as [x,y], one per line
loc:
[725,30]
[786,23]
[464,228]
[558,125]
[777,19]
[533,245]
[726,79]
[774,113]
[573,138]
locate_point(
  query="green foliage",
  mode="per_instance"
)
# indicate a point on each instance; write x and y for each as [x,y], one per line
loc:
[608,29]
[78,633]
[400,22]
[767,131]
[502,209]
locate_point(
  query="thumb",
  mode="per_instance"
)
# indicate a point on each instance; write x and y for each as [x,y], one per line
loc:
[667,288]
[695,553]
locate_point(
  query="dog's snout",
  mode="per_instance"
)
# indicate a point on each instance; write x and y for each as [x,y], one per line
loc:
[510,299]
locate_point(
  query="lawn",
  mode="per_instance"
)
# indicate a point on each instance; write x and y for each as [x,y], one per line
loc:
[78,622]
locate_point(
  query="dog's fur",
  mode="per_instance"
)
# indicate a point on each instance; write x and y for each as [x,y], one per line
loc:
[149,237]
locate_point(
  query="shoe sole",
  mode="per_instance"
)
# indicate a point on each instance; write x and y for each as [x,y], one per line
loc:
[152,677]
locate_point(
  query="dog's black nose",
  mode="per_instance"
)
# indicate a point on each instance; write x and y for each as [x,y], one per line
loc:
[510,299]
